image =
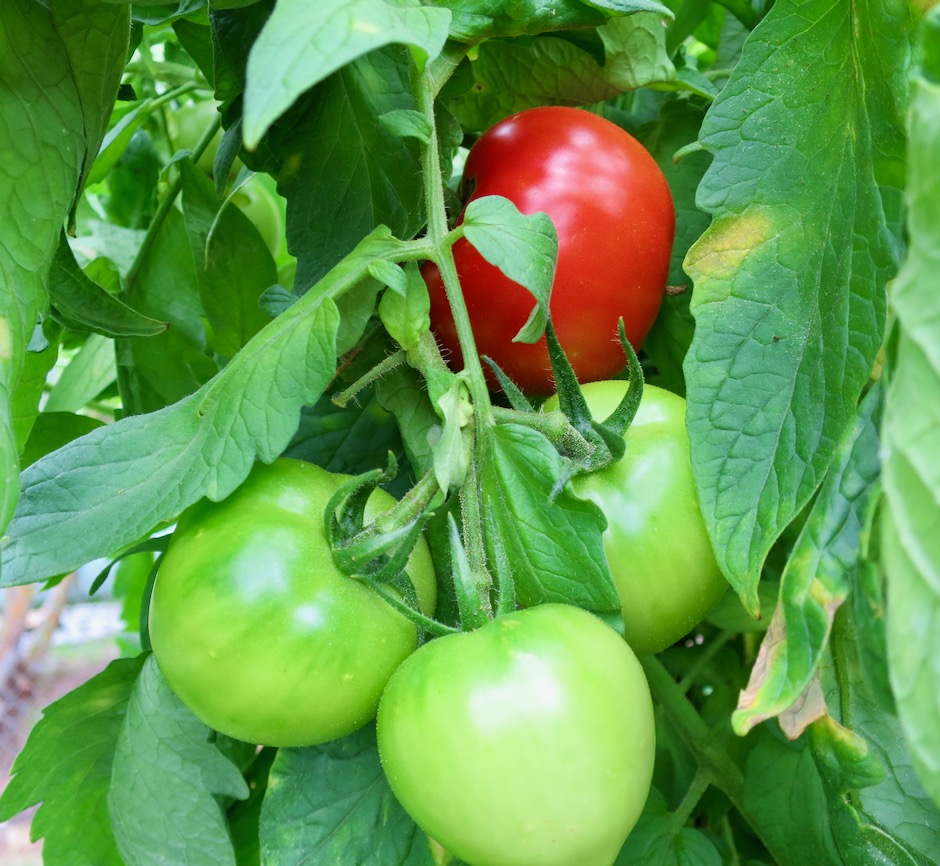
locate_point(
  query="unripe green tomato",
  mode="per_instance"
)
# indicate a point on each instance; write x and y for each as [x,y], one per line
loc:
[255,627]
[528,742]
[188,123]
[656,542]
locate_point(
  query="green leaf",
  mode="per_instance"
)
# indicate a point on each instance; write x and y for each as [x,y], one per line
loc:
[301,44]
[29,389]
[819,574]
[656,839]
[53,430]
[96,37]
[66,766]
[165,782]
[407,122]
[233,263]
[403,395]
[83,305]
[157,371]
[111,487]
[42,141]
[343,172]
[790,278]
[332,804]
[475,20]
[669,340]
[554,546]
[406,315]
[87,375]
[512,75]
[523,247]
[911,548]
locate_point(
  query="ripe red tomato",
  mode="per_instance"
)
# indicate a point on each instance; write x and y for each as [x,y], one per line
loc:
[613,212]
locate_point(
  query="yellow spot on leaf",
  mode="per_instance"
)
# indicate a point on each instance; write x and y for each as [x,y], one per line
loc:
[721,251]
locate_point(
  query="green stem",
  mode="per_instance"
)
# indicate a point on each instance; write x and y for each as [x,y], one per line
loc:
[376,373]
[715,765]
[691,799]
[153,230]
[438,234]
[431,626]
[743,11]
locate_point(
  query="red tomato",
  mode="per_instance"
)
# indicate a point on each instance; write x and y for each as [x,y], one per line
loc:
[613,212]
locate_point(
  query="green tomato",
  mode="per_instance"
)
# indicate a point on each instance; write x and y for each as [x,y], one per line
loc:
[656,543]
[258,631]
[188,123]
[528,742]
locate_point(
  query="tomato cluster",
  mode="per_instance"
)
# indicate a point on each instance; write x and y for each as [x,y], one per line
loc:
[530,739]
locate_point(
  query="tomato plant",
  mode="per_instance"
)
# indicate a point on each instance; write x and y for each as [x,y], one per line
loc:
[526,743]
[258,631]
[656,542]
[772,161]
[613,213]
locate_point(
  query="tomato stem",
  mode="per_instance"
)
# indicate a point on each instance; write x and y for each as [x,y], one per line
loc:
[426,623]
[377,372]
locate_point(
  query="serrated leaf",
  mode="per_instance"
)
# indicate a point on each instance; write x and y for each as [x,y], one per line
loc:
[66,765]
[523,246]
[83,305]
[554,547]
[332,804]
[911,549]
[819,574]
[165,782]
[114,485]
[301,44]
[42,142]
[790,278]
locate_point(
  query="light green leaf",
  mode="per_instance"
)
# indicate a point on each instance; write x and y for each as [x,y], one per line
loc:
[406,314]
[87,375]
[523,246]
[303,43]
[790,279]
[912,444]
[165,780]
[111,487]
[406,122]
[66,766]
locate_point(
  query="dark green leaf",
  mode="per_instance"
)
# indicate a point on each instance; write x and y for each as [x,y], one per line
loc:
[233,263]
[157,371]
[555,547]
[83,305]
[790,279]
[301,44]
[406,315]
[656,839]
[165,782]
[66,766]
[29,389]
[332,804]
[114,485]
[53,430]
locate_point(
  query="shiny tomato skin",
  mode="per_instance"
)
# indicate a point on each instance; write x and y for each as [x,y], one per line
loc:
[257,630]
[613,212]
[528,742]
[656,542]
